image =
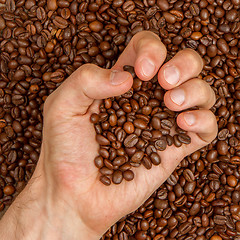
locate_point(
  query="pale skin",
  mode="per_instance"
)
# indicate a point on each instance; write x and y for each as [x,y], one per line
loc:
[65,199]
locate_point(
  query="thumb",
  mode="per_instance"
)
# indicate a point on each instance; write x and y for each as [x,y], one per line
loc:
[89,82]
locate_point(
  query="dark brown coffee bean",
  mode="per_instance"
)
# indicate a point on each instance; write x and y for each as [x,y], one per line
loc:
[147,162]
[8,190]
[128,175]
[117,177]
[60,22]
[156,123]
[131,140]
[106,171]
[102,140]
[176,141]
[128,127]
[184,138]
[96,26]
[161,144]
[223,134]
[105,180]
[155,158]
[188,175]
[220,220]
[223,46]
[99,162]
[166,124]
[137,157]
[118,161]
[139,123]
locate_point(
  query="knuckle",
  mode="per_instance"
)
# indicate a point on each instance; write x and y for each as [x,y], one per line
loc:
[151,45]
[193,57]
[85,71]
[202,88]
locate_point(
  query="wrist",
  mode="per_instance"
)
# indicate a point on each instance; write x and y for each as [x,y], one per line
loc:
[38,214]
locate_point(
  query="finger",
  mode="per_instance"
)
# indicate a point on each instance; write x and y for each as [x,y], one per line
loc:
[185,65]
[89,82]
[201,122]
[195,92]
[145,52]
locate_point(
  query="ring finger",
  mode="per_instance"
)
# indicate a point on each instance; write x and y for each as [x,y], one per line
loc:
[194,92]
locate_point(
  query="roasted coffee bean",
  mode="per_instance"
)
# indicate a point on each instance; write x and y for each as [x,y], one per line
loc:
[155,158]
[105,180]
[161,144]
[137,157]
[117,177]
[128,175]
[184,138]
[131,140]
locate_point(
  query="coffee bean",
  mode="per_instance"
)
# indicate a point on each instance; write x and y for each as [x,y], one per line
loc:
[96,26]
[99,162]
[219,219]
[9,190]
[102,140]
[166,124]
[60,22]
[117,177]
[223,46]
[161,144]
[139,123]
[184,138]
[147,162]
[188,175]
[131,140]
[128,127]
[128,175]
[176,141]
[137,157]
[128,6]
[156,123]
[155,158]
[105,180]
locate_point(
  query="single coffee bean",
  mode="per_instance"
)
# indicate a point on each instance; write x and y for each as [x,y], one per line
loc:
[161,144]
[137,157]
[99,162]
[131,140]
[9,190]
[117,177]
[155,158]
[105,180]
[128,175]
[184,138]
[102,140]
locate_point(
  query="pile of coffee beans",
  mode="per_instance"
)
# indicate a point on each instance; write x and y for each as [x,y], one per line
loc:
[131,129]
[43,41]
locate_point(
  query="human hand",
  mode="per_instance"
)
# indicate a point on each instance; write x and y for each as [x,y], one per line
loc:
[73,193]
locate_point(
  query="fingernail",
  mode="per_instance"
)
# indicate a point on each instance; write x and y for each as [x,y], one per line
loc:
[171,75]
[148,67]
[177,96]
[189,118]
[118,77]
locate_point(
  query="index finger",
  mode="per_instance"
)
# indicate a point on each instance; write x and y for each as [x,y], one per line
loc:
[145,52]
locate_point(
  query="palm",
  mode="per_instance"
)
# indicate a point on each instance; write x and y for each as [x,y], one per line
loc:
[77,174]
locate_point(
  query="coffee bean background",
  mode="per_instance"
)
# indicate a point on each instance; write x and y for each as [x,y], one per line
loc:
[43,42]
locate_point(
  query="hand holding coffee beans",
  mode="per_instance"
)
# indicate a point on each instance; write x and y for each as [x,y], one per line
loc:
[66,193]
[132,128]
